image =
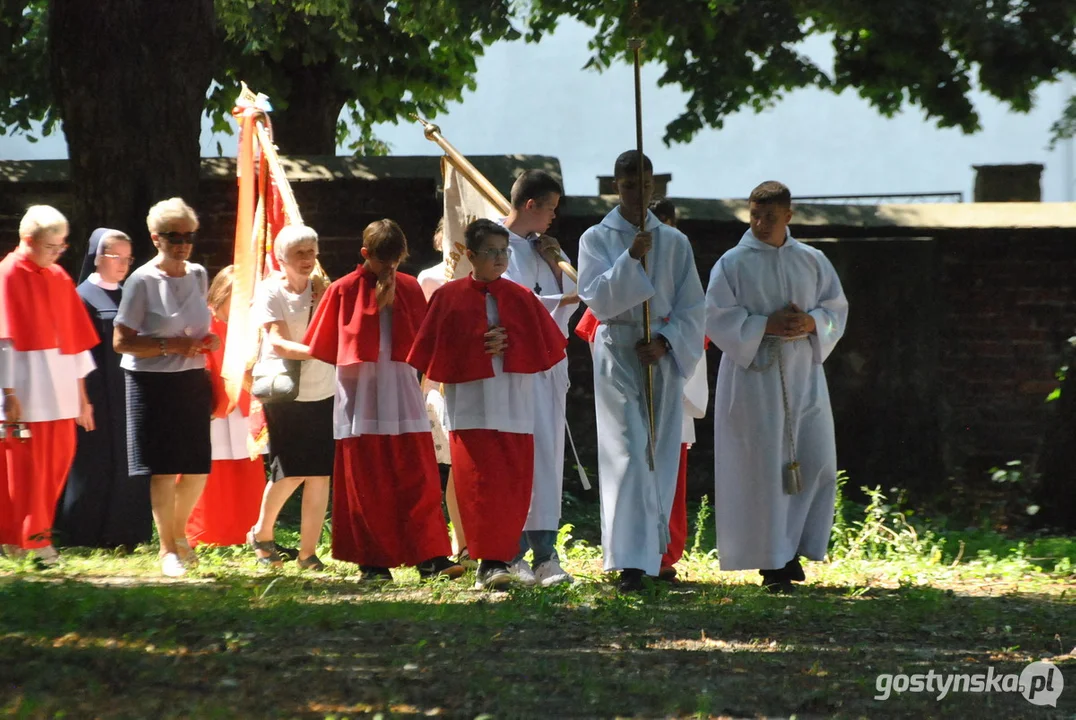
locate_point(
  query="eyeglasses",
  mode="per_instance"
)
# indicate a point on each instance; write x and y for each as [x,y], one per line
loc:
[178,238]
[494,253]
[125,259]
[55,249]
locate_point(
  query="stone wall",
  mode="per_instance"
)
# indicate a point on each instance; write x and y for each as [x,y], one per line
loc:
[952,345]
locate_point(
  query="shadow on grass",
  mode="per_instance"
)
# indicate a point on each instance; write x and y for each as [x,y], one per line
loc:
[315,649]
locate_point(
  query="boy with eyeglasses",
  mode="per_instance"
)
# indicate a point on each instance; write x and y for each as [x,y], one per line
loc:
[485,337]
[45,341]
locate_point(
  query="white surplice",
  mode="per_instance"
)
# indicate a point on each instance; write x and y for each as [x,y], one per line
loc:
[503,402]
[636,502]
[45,381]
[379,398]
[758,524]
[228,436]
[527,268]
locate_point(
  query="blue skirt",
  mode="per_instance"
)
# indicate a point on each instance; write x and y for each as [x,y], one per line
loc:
[168,416]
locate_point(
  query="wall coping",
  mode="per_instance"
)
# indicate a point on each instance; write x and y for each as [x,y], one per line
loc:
[502,169]
[920,216]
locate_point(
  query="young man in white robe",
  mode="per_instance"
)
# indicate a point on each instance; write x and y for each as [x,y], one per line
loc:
[535,196]
[636,500]
[775,308]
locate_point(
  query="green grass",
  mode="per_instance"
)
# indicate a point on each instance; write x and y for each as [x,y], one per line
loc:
[105,636]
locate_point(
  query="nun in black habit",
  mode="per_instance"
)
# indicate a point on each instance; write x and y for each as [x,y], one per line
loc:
[102,506]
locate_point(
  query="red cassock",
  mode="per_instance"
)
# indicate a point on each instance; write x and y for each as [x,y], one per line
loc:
[587,328]
[386,508]
[39,310]
[231,501]
[8,535]
[493,470]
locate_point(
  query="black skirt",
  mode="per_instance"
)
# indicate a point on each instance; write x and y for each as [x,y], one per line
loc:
[300,438]
[168,423]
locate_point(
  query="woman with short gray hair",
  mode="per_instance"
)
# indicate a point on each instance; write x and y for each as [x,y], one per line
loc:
[301,445]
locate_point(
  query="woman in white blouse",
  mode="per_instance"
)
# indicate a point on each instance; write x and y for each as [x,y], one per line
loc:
[301,445]
[162,329]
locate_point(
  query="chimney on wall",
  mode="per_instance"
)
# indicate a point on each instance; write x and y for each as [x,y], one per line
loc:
[606,185]
[1008,183]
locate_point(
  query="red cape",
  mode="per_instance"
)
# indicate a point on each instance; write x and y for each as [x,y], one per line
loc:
[450,346]
[40,309]
[346,327]
[587,328]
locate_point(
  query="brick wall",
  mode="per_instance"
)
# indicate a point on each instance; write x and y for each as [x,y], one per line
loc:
[953,340]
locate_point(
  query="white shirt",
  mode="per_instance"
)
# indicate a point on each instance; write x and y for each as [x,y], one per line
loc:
[273,303]
[155,304]
[529,269]
[432,278]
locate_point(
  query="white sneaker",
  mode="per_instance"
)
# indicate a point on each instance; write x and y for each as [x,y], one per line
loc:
[172,566]
[550,573]
[521,571]
[186,553]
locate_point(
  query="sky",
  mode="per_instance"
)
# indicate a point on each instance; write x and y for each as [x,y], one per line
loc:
[537,99]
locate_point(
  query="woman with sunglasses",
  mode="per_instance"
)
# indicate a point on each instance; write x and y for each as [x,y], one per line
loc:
[163,331]
[102,504]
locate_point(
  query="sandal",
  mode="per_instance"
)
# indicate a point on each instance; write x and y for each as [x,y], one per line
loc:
[312,563]
[286,553]
[272,558]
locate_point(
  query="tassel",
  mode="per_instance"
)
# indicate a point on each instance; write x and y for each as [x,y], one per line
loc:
[793,479]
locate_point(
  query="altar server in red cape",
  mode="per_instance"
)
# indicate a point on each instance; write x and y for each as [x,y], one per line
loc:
[485,337]
[45,339]
[387,491]
[233,491]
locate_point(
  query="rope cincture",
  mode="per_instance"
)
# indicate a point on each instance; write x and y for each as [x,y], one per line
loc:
[792,478]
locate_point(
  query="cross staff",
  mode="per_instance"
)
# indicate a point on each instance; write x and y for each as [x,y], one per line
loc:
[636,44]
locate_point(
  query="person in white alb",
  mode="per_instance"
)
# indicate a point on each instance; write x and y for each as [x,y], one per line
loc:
[775,308]
[636,500]
[532,264]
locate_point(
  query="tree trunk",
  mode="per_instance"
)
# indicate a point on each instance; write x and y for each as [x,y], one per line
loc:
[130,78]
[307,126]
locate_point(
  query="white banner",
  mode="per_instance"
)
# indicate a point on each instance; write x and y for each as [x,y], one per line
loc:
[464,204]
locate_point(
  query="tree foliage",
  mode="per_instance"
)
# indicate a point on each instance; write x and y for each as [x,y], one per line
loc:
[379,59]
[729,54]
[384,59]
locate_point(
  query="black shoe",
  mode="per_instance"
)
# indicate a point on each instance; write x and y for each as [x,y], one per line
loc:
[492,575]
[794,571]
[668,574]
[439,567]
[631,580]
[776,582]
[371,574]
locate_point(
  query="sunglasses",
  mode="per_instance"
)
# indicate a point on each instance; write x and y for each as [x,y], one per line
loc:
[124,259]
[178,238]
